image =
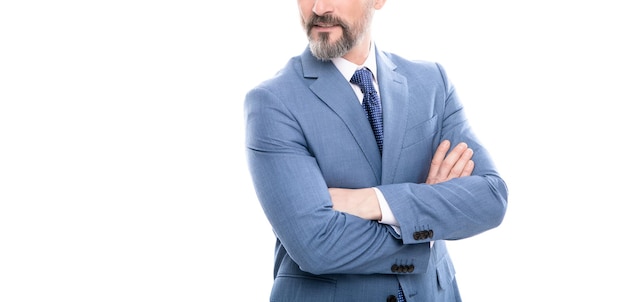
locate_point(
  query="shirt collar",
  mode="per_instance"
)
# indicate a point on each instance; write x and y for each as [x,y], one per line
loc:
[348,68]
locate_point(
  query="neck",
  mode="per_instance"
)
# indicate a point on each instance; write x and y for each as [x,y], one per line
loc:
[359,53]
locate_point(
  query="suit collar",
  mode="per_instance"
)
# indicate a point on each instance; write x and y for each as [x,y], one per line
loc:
[333,89]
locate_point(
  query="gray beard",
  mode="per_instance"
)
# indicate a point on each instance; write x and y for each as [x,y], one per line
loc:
[325,50]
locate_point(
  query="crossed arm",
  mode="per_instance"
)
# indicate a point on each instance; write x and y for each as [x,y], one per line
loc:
[364,203]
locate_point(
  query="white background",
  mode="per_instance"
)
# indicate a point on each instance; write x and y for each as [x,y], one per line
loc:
[123,176]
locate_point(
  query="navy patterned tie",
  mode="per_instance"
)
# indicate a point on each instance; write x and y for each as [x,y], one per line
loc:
[401,295]
[371,103]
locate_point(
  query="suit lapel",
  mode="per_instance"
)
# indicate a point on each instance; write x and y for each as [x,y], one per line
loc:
[333,89]
[394,97]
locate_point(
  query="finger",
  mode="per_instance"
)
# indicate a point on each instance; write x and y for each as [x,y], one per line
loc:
[437,160]
[468,169]
[459,166]
[440,153]
[441,169]
[451,159]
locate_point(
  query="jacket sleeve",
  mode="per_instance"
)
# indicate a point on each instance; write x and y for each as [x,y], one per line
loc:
[455,209]
[294,196]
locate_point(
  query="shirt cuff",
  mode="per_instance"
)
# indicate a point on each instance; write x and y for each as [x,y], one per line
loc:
[386,214]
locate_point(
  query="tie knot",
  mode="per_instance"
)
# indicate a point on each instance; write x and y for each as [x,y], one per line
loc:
[363,78]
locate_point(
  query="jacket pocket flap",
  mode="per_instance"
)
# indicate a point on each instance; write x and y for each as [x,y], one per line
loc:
[445,272]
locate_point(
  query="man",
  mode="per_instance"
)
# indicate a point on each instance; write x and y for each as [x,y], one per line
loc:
[361,208]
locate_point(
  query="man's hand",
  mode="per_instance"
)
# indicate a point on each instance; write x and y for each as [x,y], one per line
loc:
[364,202]
[458,163]
[358,202]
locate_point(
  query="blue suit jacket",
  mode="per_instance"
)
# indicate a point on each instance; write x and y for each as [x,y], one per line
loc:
[306,132]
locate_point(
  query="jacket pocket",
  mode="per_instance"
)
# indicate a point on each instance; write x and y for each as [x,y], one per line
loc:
[290,288]
[445,272]
[420,131]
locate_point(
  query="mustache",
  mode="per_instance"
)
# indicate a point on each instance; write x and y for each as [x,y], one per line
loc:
[325,19]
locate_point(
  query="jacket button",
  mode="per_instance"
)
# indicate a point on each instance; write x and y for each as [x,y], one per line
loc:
[411,268]
[421,235]
[392,298]
[394,268]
